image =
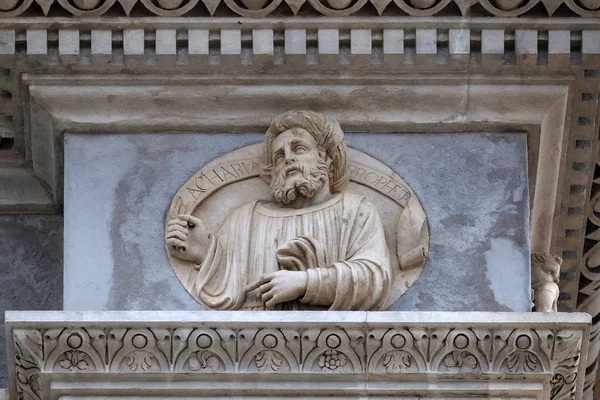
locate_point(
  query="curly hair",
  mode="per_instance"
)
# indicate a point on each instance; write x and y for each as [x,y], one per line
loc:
[329,137]
[540,260]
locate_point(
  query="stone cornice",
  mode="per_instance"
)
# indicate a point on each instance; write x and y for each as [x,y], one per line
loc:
[52,354]
[307,22]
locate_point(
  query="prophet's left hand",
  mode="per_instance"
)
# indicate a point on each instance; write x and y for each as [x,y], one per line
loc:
[279,287]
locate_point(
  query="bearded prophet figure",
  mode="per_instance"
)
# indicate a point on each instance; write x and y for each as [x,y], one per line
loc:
[315,246]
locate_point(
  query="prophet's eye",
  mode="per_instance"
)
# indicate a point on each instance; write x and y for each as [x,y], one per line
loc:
[301,149]
[278,157]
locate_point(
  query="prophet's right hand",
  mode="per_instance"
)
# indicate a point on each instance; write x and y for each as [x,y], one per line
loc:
[187,239]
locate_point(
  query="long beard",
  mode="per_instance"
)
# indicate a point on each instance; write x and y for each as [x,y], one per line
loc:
[311,178]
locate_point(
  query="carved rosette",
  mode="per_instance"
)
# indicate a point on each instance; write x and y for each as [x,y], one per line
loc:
[296,349]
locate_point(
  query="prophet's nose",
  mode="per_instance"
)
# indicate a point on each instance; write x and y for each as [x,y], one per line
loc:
[290,158]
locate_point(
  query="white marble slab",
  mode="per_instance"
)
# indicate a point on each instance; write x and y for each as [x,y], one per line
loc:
[296,355]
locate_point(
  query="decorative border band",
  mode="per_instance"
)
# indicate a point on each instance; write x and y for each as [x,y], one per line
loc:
[489,346]
[331,8]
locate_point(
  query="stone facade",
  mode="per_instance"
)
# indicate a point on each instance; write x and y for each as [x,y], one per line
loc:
[31,268]
[376,66]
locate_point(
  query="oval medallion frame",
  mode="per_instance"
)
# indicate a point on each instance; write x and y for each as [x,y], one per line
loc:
[214,191]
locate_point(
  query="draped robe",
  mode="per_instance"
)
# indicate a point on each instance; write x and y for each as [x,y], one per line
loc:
[340,243]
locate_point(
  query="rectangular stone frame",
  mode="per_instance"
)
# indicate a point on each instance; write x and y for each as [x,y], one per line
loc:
[182,103]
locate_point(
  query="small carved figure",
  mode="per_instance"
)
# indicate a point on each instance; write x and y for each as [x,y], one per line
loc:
[545,269]
[314,247]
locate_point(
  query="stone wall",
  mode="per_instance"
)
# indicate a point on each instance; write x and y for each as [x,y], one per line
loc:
[31,273]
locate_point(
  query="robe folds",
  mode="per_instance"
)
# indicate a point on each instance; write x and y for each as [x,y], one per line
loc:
[340,243]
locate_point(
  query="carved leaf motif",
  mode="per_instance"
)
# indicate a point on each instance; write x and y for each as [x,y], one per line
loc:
[521,361]
[245,340]
[484,342]
[139,361]
[30,343]
[421,341]
[500,341]
[292,338]
[203,360]
[566,342]
[51,340]
[374,339]
[228,341]
[308,340]
[437,338]
[34,384]
[268,360]
[115,341]
[98,339]
[74,361]
[163,340]
[460,361]
[546,339]
[357,339]
[180,337]
[560,382]
[564,379]
[397,361]
[28,358]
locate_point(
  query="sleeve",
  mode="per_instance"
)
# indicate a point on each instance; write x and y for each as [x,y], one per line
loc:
[213,284]
[209,271]
[361,281]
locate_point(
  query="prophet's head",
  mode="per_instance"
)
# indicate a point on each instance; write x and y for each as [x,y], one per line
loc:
[303,151]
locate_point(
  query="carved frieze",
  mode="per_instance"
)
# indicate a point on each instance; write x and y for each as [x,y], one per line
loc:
[546,349]
[333,8]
